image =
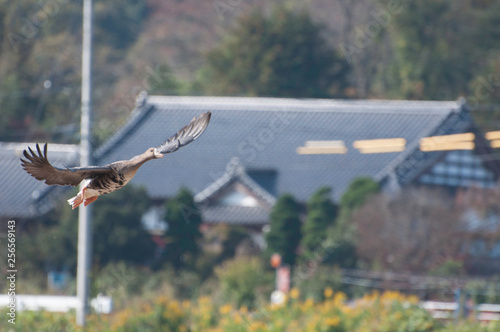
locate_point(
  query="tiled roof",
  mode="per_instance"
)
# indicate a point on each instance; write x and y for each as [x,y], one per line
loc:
[244,215]
[264,133]
[241,215]
[235,172]
[19,192]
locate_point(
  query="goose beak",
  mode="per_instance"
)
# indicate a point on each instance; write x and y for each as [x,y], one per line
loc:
[158,154]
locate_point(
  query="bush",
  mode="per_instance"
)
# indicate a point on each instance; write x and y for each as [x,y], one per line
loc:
[388,311]
[243,281]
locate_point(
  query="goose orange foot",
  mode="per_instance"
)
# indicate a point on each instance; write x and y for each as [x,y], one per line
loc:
[89,200]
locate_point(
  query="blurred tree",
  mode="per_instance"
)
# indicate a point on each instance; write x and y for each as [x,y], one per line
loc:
[439,46]
[9,103]
[285,233]
[119,26]
[163,82]
[283,55]
[357,192]
[321,214]
[240,281]
[41,63]
[416,231]
[340,245]
[117,233]
[183,233]
[313,283]
[232,236]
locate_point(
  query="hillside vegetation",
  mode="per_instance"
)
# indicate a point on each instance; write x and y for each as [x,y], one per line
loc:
[429,49]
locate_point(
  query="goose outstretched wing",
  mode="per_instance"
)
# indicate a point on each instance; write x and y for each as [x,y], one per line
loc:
[40,168]
[187,134]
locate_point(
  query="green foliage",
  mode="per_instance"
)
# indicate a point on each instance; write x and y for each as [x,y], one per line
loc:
[119,280]
[388,311]
[163,82]
[40,321]
[285,233]
[283,55]
[240,280]
[119,26]
[339,246]
[232,237]
[321,213]
[9,101]
[183,233]
[450,268]
[357,192]
[402,319]
[41,63]
[313,282]
[436,56]
[117,233]
[426,50]
[484,291]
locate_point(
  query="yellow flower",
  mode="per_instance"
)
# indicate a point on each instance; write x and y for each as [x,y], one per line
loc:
[339,298]
[255,326]
[307,304]
[225,309]
[161,300]
[294,293]
[146,307]
[237,319]
[204,300]
[173,308]
[328,292]
[332,321]
[121,318]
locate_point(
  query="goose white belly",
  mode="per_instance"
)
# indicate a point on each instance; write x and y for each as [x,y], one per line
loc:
[90,191]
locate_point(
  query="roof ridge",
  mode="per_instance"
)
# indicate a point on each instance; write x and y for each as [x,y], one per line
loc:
[310,103]
[265,104]
[56,147]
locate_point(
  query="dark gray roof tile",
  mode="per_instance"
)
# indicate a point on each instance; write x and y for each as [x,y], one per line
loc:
[18,190]
[242,215]
[265,133]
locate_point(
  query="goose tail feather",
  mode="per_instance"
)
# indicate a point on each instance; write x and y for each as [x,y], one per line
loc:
[75,201]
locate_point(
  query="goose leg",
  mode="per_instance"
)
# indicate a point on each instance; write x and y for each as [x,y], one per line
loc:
[89,200]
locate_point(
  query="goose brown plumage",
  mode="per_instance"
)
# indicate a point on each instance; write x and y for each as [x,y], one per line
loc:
[100,180]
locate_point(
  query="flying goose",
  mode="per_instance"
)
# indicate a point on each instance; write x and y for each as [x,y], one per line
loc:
[100,180]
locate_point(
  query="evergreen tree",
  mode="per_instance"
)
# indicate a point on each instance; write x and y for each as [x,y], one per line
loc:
[341,243]
[183,233]
[118,233]
[357,192]
[438,49]
[284,55]
[321,213]
[285,233]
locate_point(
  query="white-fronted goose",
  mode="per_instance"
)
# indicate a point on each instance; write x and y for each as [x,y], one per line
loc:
[100,180]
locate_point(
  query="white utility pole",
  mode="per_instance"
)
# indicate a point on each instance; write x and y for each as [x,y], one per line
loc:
[85,213]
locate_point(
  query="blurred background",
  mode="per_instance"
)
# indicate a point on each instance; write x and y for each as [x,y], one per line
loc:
[350,171]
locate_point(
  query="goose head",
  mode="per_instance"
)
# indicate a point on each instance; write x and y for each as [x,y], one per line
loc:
[153,153]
